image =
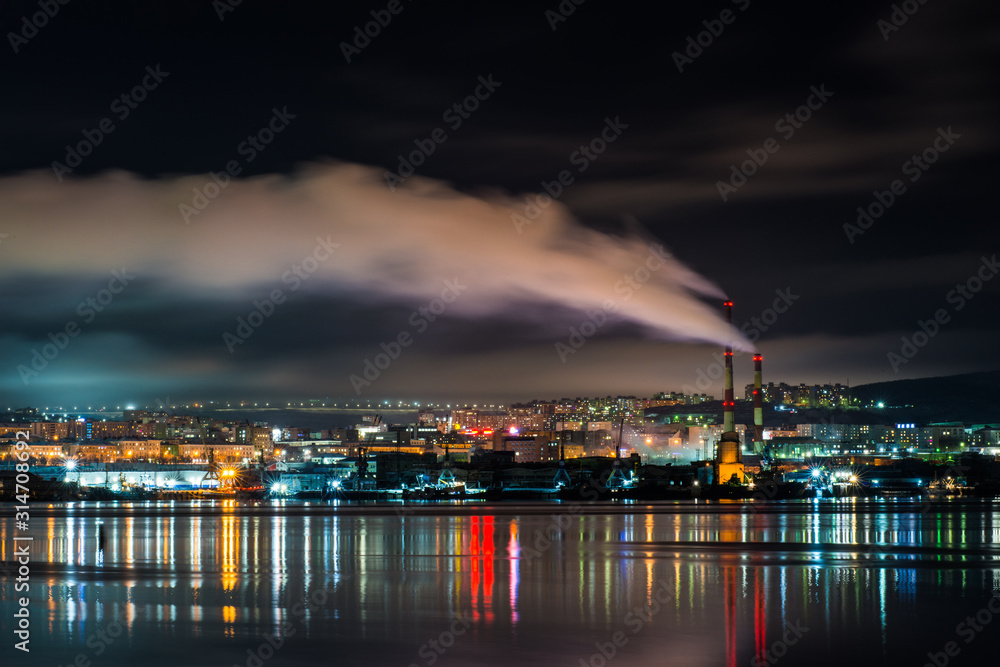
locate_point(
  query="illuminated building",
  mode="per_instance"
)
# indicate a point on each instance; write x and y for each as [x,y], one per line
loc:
[461,419]
[11,430]
[814,396]
[496,422]
[530,448]
[95,452]
[258,437]
[984,435]
[569,426]
[223,452]
[728,464]
[45,450]
[662,399]
[411,447]
[51,430]
[104,430]
[455,452]
[531,417]
[139,450]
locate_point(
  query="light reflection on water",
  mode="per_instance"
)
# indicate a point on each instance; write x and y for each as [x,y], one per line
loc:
[201,583]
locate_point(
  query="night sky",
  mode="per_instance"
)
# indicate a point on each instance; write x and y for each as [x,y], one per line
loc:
[689,173]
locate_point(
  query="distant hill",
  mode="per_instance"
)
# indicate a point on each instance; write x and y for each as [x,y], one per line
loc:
[972,397]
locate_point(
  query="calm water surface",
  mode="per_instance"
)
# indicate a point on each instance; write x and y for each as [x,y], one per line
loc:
[808,583]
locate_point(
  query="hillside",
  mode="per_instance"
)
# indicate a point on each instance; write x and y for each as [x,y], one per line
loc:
[972,398]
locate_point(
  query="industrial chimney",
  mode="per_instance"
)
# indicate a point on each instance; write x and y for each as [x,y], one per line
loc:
[758,406]
[728,465]
[728,404]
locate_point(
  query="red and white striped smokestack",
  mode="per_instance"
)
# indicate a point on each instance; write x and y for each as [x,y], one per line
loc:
[728,404]
[758,404]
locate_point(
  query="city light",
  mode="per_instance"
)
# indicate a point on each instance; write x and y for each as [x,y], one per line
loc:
[650,491]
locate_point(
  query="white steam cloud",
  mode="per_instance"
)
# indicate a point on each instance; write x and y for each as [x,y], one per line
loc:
[401,244]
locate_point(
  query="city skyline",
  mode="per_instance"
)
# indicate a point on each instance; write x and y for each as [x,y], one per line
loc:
[830,394]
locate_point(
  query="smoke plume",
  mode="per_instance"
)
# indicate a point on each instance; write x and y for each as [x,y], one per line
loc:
[193,234]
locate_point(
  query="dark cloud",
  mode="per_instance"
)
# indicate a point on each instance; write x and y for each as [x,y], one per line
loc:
[782,230]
